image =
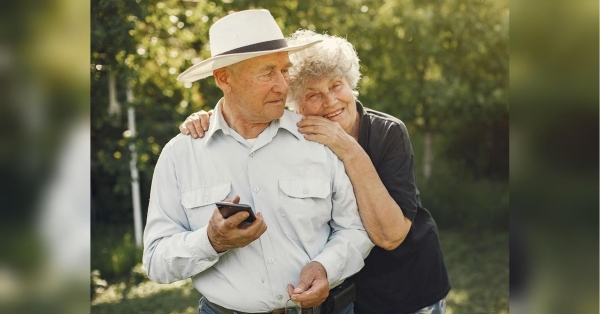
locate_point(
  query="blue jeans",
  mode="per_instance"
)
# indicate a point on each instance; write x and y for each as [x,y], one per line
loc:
[205,309]
[437,308]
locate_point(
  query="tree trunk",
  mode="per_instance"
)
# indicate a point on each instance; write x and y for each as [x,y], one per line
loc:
[428,156]
[114,107]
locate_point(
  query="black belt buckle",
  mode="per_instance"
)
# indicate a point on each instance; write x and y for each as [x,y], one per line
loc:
[339,297]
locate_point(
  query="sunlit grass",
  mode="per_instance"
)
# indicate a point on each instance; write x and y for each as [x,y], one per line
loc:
[147,297]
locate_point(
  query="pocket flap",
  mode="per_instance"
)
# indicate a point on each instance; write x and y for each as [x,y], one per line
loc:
[304,188]
[205,195]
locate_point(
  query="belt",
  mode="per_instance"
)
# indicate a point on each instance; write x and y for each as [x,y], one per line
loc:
[222,310]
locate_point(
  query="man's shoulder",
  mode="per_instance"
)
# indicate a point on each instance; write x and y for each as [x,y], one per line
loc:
[182,142]
[292,115]
[305,144]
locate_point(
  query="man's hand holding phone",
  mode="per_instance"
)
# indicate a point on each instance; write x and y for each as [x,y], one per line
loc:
[226,233]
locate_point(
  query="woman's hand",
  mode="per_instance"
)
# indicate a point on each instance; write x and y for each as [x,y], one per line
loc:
[330,134]
[196,124]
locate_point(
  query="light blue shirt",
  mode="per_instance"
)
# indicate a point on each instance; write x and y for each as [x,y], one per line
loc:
[301,189]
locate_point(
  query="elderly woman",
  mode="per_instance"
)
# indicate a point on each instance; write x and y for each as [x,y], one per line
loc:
[405,272]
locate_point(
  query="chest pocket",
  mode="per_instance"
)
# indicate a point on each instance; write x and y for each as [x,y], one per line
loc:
[305,207]
[199,202]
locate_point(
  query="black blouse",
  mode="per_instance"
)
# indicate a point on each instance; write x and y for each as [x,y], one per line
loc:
[413,275]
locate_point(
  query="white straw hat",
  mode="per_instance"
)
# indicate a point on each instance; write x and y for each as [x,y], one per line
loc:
[238,37]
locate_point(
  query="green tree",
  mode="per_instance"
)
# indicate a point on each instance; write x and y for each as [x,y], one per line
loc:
[440,66]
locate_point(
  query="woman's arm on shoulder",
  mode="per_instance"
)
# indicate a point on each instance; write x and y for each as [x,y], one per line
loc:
[196,124]
[382,217]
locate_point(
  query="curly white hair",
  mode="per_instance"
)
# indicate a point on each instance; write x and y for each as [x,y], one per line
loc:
[333,57]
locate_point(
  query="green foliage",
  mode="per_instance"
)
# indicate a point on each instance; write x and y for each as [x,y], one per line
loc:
[114,252]
[461,202]
[477,265]
[440,66]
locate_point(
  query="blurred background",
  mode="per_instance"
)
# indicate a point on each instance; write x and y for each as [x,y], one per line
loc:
[440,66]
[56,57]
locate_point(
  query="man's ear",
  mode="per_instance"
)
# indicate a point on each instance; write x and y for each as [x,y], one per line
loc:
[222,78]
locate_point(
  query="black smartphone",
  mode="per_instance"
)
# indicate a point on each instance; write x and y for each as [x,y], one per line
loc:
[228,209]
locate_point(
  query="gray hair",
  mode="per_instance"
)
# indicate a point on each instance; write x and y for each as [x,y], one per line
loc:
[333,57]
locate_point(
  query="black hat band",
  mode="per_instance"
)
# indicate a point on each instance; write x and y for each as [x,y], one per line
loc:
[262,46]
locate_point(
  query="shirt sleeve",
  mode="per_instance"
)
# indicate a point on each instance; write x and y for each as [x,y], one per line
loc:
[348,244]
[171,250]
[397,169]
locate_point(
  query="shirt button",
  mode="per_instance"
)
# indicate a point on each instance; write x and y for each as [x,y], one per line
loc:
[279,297]
[210,259]
[205,198]
[271,260]
[305,191]
[256,189]
[252,154]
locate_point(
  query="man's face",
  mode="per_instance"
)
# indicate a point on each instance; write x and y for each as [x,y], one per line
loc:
[331,98]
[259,86]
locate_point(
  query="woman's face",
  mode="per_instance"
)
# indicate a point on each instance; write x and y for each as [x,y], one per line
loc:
[331,98]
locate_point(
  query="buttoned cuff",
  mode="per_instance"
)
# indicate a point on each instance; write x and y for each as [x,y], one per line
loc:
[330,261]
[202,251]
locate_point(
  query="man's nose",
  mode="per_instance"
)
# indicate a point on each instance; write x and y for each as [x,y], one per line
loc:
[281,83]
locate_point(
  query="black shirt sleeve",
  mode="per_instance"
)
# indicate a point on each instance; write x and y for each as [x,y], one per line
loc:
[396,167]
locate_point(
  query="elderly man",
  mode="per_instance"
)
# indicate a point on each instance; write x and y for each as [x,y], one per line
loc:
[307,236]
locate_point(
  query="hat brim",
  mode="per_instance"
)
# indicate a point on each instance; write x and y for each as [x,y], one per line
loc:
[206,67]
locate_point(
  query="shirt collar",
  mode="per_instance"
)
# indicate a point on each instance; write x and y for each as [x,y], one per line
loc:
[287,122]
[217,122]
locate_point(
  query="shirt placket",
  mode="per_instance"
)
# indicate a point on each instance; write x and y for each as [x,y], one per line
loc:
[260,194]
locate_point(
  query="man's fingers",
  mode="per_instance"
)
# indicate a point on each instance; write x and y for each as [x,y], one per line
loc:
[314,296]
[256,228]
[216,217]
[261,226]
[234,200]
[301,287]
[234,220]
[290,289]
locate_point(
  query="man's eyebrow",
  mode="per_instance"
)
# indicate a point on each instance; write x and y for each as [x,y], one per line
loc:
[267,68]
[272,66]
